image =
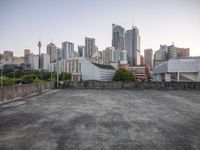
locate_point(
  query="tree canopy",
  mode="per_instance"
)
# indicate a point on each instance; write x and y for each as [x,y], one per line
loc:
[123,75]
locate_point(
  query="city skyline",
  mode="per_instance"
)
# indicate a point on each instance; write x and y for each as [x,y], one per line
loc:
[24,23]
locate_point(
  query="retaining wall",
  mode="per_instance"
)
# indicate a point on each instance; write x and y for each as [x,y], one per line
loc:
[131,85]
[11,92]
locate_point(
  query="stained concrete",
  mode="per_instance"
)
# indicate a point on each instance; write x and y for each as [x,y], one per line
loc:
[102,120]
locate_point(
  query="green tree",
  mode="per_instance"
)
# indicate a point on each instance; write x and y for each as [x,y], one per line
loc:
[123,75]
[65,76]
[7,81]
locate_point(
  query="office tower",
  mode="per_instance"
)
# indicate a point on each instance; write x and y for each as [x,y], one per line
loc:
[81,51]
[51,50]
[184,52]
[148,57]
[109,55]
[59,53]
[132,45]
[45,61]
[67,49]
[141,60]
[27,53]
[172,52]
[8,53]
[118,37]
[90,47]
[123,57]
[160,55]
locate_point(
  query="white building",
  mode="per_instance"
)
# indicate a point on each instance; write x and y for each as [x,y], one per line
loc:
[34,61]
[45,61]
[89,71]
[187,69]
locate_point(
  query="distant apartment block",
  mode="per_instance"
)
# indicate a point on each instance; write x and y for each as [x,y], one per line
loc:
[27,53]
[148,57]
[45,61]
[184,52]
[81,51]
[8,53]
[67,49]
[141,60]
[170,52]
[52,51]
[90,47]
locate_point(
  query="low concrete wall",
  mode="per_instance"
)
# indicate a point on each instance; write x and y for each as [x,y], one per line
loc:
[131,85]
[11,92]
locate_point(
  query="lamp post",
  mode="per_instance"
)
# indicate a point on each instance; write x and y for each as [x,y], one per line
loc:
[39,45]
[1,76]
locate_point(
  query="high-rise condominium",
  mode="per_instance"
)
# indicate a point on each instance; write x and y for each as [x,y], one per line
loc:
[148,57]
[132,45]
[51,50]
[8,53]
[67,49]
[118,37]
[90,47]
[27,53]
[184,52]
[81,51]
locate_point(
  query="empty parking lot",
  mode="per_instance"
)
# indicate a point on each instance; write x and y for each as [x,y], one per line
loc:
[102,120]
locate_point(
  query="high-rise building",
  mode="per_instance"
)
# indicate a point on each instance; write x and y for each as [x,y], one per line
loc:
[108,55]
[90,47]
[59,53]
[67,49]
[118,37]
[51,50]
[45,61]
[27,53]
[132,45]
[172,52]
[81,51]
[8,53]
[141,60]
[160,55]
[184,52]
[148,57]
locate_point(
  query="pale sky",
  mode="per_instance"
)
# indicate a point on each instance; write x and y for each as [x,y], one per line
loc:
[24,22]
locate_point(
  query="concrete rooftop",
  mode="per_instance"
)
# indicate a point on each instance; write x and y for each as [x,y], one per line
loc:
[102,120]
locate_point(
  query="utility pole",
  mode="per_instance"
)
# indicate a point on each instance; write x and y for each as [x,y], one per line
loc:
[39,45]
[57,69]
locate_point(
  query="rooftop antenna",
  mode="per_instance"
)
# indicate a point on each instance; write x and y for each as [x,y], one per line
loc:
[132,22]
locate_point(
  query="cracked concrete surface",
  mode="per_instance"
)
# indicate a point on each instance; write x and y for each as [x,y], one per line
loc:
[102,120]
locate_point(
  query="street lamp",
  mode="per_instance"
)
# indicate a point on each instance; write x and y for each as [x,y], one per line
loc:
[39,45]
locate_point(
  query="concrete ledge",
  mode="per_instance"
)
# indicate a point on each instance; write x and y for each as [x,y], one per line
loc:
[131,85]
[9,93]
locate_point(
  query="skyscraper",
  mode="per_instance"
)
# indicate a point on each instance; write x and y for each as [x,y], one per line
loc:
[8,53]
[51,50]
[172,52]
[118,37]
[45,61]
[148,57]
[27,53]
[132,45]
[81,51]
[67,49]
[90,47]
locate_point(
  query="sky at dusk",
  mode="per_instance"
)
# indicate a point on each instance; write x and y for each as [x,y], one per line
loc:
[24,22]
